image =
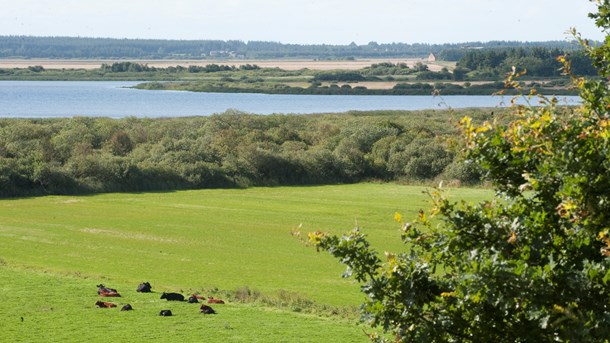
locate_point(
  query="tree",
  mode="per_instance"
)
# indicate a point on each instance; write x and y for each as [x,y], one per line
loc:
[459,74]
[418,67]
[120,143]
[531,265]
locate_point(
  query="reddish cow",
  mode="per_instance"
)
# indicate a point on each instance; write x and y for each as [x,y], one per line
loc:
[108,294]
[104,304]
[104,291]
[215,301]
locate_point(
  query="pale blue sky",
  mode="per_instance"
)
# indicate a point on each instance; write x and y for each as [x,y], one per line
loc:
[302,21]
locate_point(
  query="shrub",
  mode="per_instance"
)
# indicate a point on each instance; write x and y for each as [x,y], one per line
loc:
[531,265]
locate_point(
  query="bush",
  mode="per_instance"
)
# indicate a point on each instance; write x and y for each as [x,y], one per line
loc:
[531,265]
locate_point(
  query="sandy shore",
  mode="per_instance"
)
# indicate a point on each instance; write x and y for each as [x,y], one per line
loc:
[282,64]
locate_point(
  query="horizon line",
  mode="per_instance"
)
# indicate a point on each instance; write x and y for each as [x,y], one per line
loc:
[284,43]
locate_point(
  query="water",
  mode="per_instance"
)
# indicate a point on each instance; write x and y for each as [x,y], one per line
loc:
[41,99]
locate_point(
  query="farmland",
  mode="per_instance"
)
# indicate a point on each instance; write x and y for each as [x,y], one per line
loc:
[55,249]
[285,64]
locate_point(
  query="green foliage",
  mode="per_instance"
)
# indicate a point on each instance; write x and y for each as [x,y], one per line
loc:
[538,61]
[533,264]
[344,76]
[112,49]
[80,154]
[125,67]
[387,68]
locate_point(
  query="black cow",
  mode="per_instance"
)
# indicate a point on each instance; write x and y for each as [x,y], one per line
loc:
[144,288]
[172,296]
[126,308]
[192,300]
[165,313]
[107,289]
[205,309]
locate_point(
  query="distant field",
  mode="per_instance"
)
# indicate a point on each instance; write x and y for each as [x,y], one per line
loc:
[282,64]
[55,249]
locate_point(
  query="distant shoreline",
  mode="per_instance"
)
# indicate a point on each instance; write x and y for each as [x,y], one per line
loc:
[285,64]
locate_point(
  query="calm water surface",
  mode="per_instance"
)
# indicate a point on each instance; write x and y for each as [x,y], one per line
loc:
[38,99]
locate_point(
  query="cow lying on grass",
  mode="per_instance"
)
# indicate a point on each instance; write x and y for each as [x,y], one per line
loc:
[215,301]
[205,309]
[144,288]
[104,291]
[172,296]
[104,304]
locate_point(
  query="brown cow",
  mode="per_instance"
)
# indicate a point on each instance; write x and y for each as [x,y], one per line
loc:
[104,291]
[108,294]
[215,301]
[104,304]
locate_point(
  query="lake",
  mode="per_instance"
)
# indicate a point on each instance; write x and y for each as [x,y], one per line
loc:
[41,99]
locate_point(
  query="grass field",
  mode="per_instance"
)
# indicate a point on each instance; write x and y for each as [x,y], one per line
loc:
[55,249]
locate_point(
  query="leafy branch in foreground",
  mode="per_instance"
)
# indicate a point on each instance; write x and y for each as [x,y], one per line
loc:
[530,265]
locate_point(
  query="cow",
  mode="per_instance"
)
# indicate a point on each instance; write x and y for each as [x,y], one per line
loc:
[104,304]
[165,313]
[205,309]
[106,291]
[200,297]
[144,288]
[126,308]
[192,299]
[172,296]
[108,294]
[215,301]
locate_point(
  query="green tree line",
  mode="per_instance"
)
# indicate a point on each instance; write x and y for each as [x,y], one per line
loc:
[87,154]
[538,61]
[108,48]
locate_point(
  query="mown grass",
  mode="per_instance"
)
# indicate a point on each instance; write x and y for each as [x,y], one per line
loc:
[55,249]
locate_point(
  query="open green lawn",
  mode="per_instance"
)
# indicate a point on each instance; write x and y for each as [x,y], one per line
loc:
[55,249]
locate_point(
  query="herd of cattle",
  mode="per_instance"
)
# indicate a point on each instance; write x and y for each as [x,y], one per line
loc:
[145,287]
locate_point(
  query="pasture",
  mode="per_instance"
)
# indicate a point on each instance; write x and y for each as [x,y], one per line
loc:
[55,249]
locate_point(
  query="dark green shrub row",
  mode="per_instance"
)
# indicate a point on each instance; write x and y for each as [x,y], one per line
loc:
[85,154]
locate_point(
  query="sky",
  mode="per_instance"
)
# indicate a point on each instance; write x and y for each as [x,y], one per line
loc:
[303,21]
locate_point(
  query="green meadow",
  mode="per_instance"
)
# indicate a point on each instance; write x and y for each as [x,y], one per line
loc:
[235,244]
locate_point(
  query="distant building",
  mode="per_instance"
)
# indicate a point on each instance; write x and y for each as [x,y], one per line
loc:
[431,58]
